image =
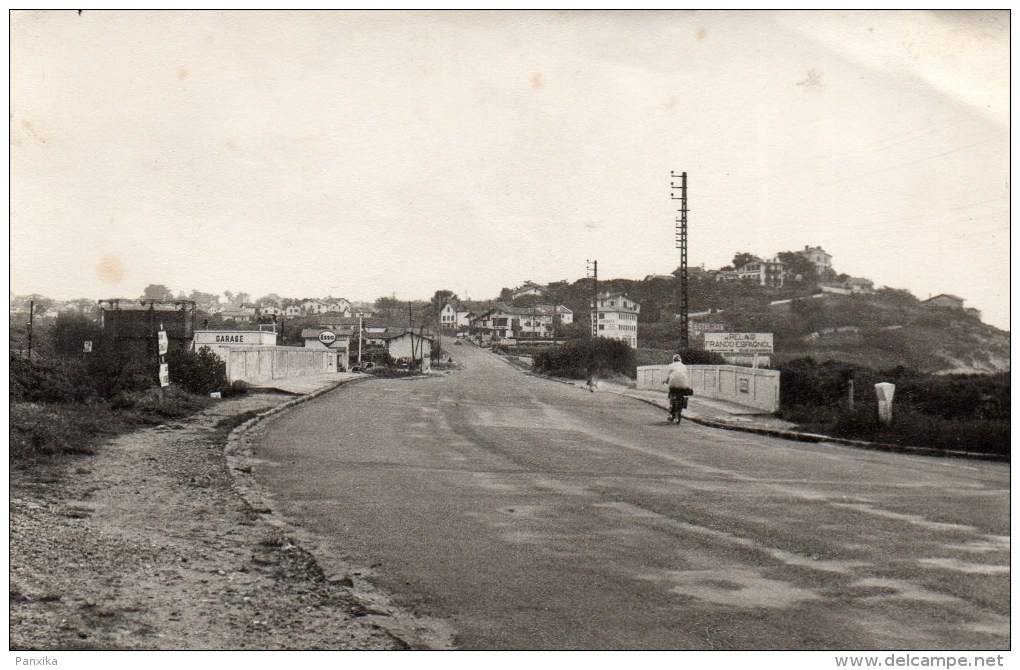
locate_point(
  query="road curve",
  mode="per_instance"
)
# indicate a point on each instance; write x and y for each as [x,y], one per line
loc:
[532,515]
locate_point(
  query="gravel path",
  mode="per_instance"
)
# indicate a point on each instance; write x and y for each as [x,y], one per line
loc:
[148,545]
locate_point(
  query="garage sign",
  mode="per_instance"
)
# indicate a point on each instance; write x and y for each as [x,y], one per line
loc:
[327,337]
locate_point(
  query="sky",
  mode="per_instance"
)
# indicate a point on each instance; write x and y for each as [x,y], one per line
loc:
[368,154]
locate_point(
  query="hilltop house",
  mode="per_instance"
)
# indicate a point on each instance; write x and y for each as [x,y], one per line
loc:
[769,272]
[821,260]
[528,288]
[617,318]
[944,301]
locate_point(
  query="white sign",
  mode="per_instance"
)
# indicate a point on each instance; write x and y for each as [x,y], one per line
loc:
[164,344]
[327,337]
[698,327]
[164,375]
[88,347]
[739,343]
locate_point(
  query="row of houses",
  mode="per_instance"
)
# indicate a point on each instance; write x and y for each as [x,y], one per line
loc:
[772,271]
[616,317]
[506,321]
[250,312]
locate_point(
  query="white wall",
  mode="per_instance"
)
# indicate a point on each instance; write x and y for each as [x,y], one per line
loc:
[262,364]
[758,388]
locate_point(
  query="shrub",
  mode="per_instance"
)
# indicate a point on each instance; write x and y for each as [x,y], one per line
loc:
[199,372]
[39,381]
[955,412]
[41,430]
[579,359]
[111,372]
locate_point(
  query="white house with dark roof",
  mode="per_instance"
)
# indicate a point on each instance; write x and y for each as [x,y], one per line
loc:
[407,345]
[618,318]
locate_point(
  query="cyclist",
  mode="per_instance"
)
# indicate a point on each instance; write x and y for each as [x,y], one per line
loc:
[679,387]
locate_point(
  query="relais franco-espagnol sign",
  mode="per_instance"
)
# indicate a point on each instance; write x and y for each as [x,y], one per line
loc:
[746,344]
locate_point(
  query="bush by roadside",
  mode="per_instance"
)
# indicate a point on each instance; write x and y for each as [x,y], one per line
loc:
[952,412]
[68,406]
[579,359]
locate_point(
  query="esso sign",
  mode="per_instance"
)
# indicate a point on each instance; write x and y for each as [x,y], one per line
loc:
[327,337]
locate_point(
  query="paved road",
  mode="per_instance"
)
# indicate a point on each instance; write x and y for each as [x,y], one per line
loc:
[533,515]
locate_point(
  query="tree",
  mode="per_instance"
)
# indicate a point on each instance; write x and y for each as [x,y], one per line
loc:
[70,331]
[439,299]
[528,301]
[157,292]
[391,311]
[271,299]
[796,264]
[743,258]
[204,301]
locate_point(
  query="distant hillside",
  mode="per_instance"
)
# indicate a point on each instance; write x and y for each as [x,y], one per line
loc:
[885,330]
[880,330]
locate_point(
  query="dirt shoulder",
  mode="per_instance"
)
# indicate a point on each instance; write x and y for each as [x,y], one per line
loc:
[149,545]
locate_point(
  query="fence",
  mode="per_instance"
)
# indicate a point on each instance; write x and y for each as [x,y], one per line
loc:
[752,387]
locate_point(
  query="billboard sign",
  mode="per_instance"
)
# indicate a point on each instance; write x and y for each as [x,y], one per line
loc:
[164,375]
[739,343]
[164,343]
[700,327]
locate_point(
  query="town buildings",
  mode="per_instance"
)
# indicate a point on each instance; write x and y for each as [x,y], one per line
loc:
[617,318]
[535,323]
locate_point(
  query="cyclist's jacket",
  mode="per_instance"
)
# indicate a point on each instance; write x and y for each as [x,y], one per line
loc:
[677,377]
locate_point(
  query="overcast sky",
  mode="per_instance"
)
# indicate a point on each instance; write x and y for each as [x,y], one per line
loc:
[369,154]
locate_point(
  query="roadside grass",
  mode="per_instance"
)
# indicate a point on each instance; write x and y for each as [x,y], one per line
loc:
[909,427]
[50,430]
[386,372]
[67,406]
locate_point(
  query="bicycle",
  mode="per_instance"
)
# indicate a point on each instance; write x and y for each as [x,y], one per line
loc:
[677,403]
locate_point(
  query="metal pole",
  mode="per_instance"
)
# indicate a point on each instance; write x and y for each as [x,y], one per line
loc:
[31,316]
[681,243]
[361,331]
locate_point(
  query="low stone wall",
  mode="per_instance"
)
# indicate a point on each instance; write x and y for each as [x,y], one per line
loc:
[752,387]
[263,364]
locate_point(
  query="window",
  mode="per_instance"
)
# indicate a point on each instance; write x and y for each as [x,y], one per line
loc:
[602,326]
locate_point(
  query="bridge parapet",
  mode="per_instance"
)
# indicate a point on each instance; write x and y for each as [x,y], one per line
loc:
[751,387]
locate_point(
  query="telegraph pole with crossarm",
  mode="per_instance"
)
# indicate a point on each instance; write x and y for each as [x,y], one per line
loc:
[681,244]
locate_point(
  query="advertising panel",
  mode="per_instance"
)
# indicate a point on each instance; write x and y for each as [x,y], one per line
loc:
[739,343]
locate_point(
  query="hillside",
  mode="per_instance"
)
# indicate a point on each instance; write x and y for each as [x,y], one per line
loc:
[888,329]
[881,330]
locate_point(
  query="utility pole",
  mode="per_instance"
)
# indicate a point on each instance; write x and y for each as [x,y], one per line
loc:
[681,244]
[31,316]
[593,272]
[410,327]
[361,334]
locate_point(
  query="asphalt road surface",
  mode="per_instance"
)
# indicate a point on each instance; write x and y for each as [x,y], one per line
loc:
[532,515]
